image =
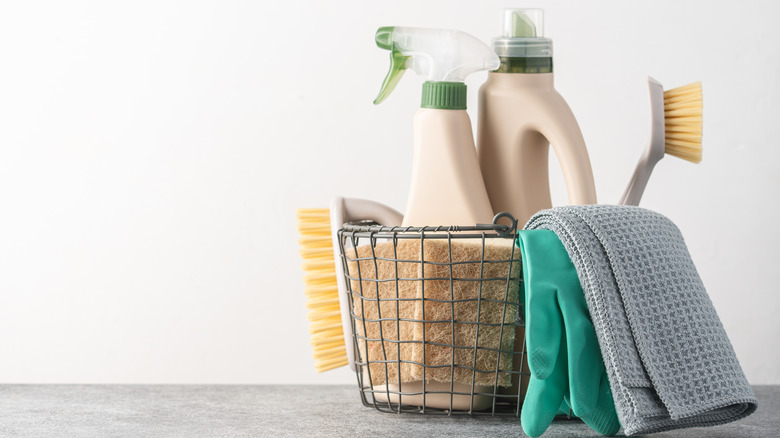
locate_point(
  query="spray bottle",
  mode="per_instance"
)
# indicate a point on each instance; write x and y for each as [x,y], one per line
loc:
[520,115]
[447,186]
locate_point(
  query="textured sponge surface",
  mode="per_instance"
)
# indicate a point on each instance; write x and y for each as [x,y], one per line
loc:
[444,304]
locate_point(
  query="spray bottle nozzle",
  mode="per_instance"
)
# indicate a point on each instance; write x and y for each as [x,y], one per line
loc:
[384,40]
[438,55]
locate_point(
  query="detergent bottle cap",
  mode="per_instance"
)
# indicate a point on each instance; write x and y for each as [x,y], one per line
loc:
[443,57]
[522,35]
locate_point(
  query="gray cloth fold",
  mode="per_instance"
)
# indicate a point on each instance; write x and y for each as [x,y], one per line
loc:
[669,361]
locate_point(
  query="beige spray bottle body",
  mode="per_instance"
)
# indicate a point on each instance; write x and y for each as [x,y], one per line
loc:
[520,115]
[447,186]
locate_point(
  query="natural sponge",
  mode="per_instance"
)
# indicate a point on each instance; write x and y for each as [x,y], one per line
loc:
[450,304]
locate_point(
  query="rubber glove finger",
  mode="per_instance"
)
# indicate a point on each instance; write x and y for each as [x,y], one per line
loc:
[586,365]
[603,419]
[543,399]
[543,319]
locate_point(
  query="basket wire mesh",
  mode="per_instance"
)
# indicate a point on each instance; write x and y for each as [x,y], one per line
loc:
[436,317]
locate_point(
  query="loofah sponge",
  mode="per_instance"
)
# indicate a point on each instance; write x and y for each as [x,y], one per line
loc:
[435,312]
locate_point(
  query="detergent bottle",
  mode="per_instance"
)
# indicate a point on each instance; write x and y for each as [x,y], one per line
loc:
[447,186]
[520,115]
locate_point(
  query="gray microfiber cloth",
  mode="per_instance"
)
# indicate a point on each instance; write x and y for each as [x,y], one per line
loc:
[669,361]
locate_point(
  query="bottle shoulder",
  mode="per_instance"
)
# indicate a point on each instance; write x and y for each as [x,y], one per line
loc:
[441,114]
[435,119]
[502,96]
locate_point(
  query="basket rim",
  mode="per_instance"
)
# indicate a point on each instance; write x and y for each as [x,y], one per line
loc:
[372,229]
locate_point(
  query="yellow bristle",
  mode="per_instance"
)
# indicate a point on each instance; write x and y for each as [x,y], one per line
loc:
[693,88]
[331,353]
[328,348]
[322,304]
[315,289]
[325,365]
[320,265]
[313,212]
[317,253]
[321,288]
[692,135]
[325,334]
[683,121]
[314,242]
[315,276]
[322,301]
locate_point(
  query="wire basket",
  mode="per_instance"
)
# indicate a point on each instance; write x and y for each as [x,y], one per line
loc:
[436,317]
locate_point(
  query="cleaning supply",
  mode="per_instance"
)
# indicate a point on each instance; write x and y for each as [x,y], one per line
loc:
[564,355]
[520,115]
[327,298]
[391,286]
[330,324]
[344,210]
[676,130]
[437,327]
[669,361]
[447,186]
[319,279]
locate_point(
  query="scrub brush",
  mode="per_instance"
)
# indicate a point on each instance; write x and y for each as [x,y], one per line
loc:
[330,325]
[321,289]
[677,129]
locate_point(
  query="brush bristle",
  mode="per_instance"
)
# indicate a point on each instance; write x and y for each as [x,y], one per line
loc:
[683,120]
[321,289]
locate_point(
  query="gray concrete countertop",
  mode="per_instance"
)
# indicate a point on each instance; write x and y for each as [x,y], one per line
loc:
[276,410]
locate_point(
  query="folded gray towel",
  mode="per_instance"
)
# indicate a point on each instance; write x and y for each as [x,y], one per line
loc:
[669,361]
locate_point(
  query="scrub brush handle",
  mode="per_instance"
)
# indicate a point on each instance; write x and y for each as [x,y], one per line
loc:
[655,149]
[347,210]
[636,186]
[354,209]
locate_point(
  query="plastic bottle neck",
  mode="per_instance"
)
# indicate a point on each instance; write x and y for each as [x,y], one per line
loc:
[526,65]
[535,80]
[444,95]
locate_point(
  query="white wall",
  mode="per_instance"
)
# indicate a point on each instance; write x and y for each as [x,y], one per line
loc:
[152,155]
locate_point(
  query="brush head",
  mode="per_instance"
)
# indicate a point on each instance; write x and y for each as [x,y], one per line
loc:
[321,289]
[683,120]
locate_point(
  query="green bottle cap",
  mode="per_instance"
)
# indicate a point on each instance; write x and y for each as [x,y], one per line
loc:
[444,95]
[522,46]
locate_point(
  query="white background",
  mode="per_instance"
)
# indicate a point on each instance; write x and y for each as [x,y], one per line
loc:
[153,153]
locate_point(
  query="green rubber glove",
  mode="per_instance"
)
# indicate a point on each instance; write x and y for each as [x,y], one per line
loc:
[563,353]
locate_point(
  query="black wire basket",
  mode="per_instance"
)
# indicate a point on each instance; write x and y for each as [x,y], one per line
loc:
[436,317]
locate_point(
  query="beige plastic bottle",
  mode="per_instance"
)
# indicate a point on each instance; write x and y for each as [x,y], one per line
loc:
[447,186]
[520,115]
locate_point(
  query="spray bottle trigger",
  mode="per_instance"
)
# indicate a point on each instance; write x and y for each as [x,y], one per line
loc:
[398,65]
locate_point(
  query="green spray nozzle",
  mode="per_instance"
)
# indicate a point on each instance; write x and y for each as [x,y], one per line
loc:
[384,40]
[439,55]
